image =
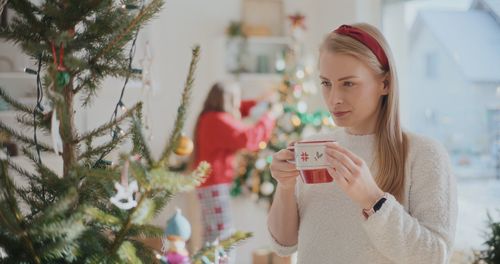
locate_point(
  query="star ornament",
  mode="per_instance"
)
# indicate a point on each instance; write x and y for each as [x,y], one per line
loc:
[298,20]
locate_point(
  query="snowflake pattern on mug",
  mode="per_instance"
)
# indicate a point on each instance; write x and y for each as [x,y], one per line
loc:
[304,156]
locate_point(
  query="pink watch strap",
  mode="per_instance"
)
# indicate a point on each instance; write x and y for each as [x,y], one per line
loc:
[368,212]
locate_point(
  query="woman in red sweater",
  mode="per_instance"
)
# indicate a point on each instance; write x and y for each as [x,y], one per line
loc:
[219,134]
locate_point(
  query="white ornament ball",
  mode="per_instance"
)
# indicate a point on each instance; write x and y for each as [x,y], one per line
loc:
[266,188]
[260,164]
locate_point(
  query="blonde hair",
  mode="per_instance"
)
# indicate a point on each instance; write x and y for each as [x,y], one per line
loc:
[391,141]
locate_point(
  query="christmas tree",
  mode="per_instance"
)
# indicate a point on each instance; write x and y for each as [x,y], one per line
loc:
[490,255]
[294,124]
[94,211]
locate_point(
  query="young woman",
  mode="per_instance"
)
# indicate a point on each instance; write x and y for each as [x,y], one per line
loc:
[219,134]
[393,198]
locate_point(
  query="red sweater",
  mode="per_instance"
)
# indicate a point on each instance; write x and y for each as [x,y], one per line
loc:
[219,136]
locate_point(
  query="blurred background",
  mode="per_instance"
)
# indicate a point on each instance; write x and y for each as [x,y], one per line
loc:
[447,55]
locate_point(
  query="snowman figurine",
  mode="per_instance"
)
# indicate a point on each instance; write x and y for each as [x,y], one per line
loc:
[177,233]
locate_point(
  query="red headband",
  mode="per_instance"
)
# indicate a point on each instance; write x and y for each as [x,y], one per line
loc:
[367,40]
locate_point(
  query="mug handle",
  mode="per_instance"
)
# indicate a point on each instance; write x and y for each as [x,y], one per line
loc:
[291,147]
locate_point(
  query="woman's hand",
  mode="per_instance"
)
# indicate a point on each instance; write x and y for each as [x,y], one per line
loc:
[284,172]
[353,176]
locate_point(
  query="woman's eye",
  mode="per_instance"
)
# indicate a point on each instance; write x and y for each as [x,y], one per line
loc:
[348,84]
[325,83]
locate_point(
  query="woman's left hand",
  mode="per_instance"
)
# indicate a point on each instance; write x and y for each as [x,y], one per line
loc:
[352,175]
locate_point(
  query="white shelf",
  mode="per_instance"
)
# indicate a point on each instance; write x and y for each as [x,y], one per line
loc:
[16,75]
[270,40]
[276,40]
[258,76]
[18,84]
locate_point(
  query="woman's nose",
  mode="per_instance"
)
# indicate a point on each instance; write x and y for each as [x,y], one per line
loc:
[334,97]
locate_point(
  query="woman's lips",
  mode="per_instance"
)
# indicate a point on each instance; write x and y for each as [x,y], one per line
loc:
[340,114]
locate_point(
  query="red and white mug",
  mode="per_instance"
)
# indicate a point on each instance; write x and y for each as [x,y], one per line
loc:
[310,161]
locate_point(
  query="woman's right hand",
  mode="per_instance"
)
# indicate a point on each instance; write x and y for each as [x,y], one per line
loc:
[282,171]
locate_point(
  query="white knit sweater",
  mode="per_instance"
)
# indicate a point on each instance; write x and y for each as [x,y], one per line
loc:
[422,230]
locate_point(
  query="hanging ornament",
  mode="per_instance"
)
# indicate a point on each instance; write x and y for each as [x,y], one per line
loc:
[184,147]
[266,188]
[177,232]
[300,74]
[255,182]
[283,87]
[297,91]
[124,198]
[295,121]
[302,106]
[298,20]
[309,87]
[260,164]
[62,75]
[285,124]
[298,26]
[262,145]
[220,255]
[146,63]
[277,110]
[54,132]
[147,88]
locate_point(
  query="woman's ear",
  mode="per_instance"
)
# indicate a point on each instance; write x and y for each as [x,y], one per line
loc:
[385,85]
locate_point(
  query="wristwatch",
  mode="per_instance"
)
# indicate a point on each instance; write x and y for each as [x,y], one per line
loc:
[368,212]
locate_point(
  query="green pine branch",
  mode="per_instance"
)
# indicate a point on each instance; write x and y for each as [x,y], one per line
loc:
[164,181]
[8,195]
[27,10]
[126,225]
[174,182]
[21,171]
[11,132]
[103,218]
[105,147]
[45,172]
[123,37]
[145,230]
[14,103]
[140,143]
[181,111]
[105,128]
[128,253]
[227,244]
[144,252]
[42,123]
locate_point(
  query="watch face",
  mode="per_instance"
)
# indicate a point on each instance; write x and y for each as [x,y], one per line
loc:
[379,204]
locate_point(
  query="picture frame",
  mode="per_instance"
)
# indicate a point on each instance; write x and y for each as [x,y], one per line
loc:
[263,17]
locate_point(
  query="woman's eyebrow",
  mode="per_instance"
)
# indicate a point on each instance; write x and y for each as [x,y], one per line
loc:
[346,77]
